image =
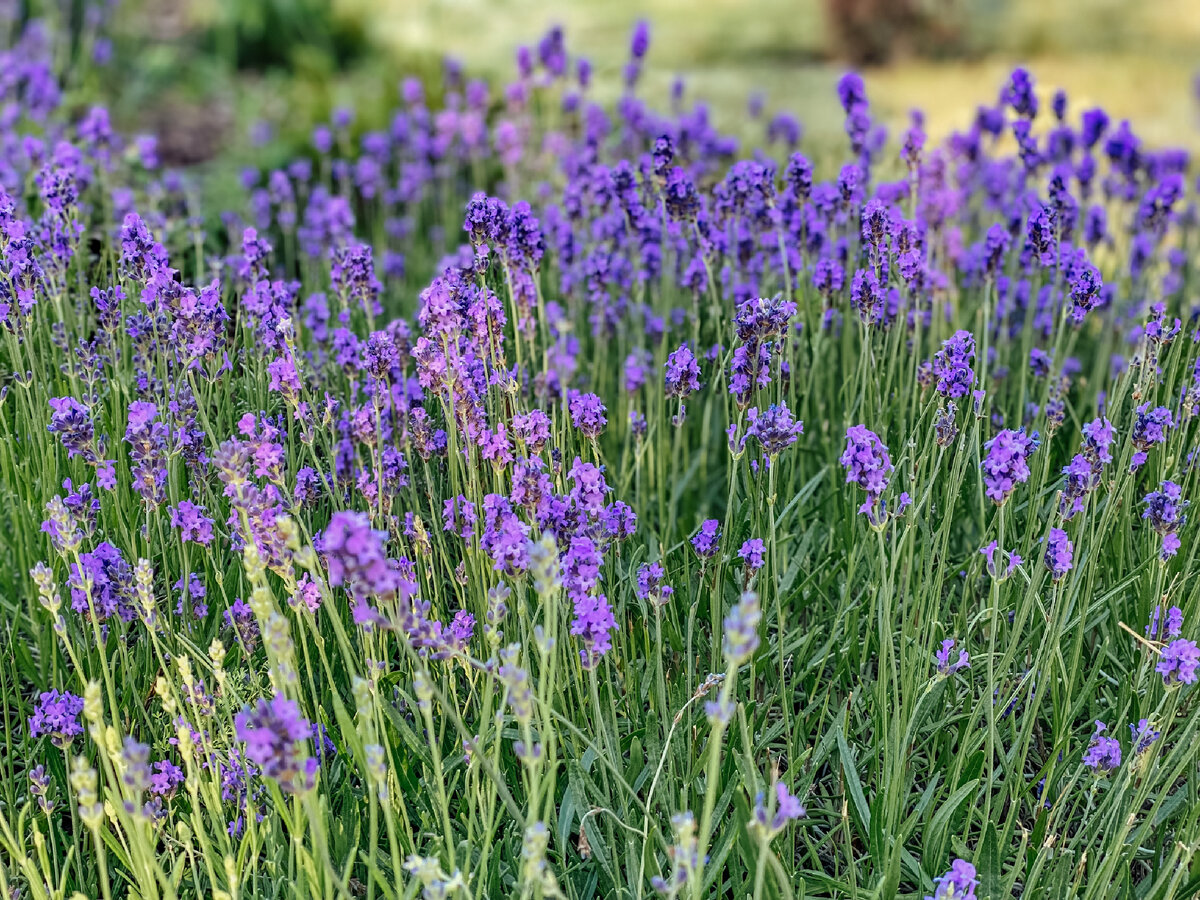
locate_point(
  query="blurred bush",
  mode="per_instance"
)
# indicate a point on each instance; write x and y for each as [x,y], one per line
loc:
[266,34]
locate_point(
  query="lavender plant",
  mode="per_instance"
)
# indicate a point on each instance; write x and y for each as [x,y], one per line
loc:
[537,497]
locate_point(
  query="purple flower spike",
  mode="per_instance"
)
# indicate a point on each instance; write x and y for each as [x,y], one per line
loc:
[1164,511]
[273,733]
[1006,464]
[707,541]
[1059,553]
[751,553]
[587,414]
[868,465]
[56,715]
[1150,427]
[683,373]
[354,553]
[1179,662]
[1103,753]
[774,429]
[952,366]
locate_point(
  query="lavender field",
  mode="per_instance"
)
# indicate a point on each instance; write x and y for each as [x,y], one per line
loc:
[550,494]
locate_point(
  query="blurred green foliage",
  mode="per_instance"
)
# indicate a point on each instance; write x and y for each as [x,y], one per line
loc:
[262,34]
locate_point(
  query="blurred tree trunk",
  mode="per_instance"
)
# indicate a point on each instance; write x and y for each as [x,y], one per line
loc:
[873,32]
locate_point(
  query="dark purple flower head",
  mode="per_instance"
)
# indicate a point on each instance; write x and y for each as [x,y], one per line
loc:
[486,219]
[524,61]
[1095,225]
[1040,362]
[1085,285]
[552,52]
[683,373]
[588,487]
[532,429]
[707,541]
[784,128]
[1058,104]
[663,154]
[192,523]
[1020,94]
[72,422]
[799,177]
[1042,236]
[751,553]
[867,295]
[749,370]
[1150,427]
[640,42]
[851,91]
[276,735]
[866,460]
[166,778]
[380,355]
[1157,204]
[1093,125]
[637,366]
[1059,553]
[952,365]
[102,584]
[637,423]
[914,141]
[593,621]
[828,277]
[1178,662]
[773,428]
[680,196]
[1098,436]
[1174,625]
[759,318]
[996,245]
[56,715]
[587,413]
[618,520]
[1103,753]
[353,276]
[523,240]
[1082,477]
[650,584]
[1006,464]
[141,254]
[354,554]
[849,184]
[1165,513]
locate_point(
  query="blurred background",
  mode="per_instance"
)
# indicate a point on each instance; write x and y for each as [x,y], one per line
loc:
[249,78]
